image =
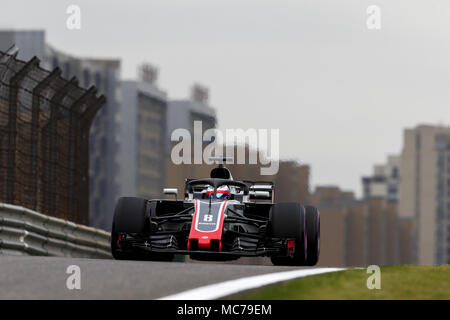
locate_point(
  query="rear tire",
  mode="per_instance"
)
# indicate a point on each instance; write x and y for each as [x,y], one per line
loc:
[129,217]
[312,235]
[288,221]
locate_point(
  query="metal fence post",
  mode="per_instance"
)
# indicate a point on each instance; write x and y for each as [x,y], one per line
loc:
[12,125]
[53,135]
[35,133]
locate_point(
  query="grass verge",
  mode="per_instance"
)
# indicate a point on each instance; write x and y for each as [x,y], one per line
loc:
[397,282]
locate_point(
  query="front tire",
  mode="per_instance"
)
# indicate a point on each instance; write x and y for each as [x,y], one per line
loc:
[288,221]
[130,217]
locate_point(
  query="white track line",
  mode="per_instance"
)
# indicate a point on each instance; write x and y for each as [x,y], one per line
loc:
[222,289]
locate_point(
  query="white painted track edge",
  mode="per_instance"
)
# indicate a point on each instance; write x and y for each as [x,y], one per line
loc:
[226,288]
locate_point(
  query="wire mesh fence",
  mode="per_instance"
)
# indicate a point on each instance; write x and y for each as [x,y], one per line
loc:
[44,139]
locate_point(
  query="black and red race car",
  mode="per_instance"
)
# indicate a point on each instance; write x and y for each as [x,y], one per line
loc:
[218,219]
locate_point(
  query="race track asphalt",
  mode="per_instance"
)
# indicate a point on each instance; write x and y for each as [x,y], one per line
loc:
[25,277]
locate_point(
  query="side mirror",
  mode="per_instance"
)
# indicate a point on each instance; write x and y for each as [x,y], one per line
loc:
[173,191]
[260,195]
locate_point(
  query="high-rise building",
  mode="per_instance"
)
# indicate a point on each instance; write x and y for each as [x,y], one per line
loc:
[292,182]
[356,253]
[376,230]
[360,232]
[333,236]
[384,181]
[333,204]
[181,114]
[29,42]
[424,193]
[104,140]
[380,193]
[144,151]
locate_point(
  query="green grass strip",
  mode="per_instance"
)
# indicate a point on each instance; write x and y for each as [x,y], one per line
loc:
[397,282]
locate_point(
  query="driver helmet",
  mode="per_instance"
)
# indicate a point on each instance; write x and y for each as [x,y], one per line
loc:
[223,192]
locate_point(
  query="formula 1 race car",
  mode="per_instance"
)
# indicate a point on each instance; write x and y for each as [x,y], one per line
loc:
[219,219]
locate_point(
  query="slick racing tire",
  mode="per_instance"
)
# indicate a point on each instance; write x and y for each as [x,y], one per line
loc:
[129,217]
[312,235]
[287,220]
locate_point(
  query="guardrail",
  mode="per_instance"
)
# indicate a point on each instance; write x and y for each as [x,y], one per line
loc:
[27,232]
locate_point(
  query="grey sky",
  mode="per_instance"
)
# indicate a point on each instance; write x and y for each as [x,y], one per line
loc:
[340,94]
